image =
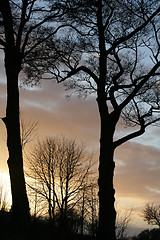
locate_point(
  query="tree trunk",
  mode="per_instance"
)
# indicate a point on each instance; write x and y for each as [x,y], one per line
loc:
[49,193]
[50,208]
[107,213]
[20,205]
[82,212]
[66,198]
[53,202]
[93,214]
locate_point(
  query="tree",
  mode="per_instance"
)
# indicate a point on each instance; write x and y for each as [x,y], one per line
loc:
[91,204]
[122,224]
[151,214]
[114,51]
[4,202]
[23,29]
[28,131]
[60,168]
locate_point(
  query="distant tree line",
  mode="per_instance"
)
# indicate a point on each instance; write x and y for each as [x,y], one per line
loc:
[153,234]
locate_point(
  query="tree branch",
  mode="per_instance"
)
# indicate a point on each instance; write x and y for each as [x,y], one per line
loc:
[130,35]
[2,42]
[138,86]
[77,70]
[128,137]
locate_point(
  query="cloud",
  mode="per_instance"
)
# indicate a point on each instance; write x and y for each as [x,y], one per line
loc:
[137,171]
[137,180]
[3,97]
[77,118]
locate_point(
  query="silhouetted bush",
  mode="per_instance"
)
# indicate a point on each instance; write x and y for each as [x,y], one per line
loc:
[147,234]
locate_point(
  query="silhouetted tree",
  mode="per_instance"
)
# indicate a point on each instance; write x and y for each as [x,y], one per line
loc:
[91,207]
[23,30]
[122,224]
[115,53]
[60,168]
[151,214]
[4,202]
[28,131]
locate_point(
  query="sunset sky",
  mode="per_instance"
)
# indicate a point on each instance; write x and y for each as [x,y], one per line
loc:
[137,175]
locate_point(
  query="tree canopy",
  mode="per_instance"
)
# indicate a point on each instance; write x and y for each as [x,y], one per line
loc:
[114,52]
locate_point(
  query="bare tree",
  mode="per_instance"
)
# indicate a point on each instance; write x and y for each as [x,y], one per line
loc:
[60,168]
[122,224]
[4,201]
[91,206]
[28,131]
[151,214]
[115,53]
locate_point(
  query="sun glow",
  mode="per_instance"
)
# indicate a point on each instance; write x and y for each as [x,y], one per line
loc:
[5,191]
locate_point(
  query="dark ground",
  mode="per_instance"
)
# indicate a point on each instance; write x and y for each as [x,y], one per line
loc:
[39,230]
